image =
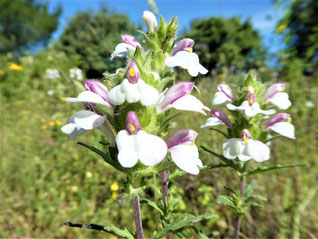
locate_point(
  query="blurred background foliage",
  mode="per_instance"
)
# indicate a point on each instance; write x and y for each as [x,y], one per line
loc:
[46,180]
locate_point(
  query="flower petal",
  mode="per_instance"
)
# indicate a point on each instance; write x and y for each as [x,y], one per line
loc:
[231,148]
[148,94]
[220,98]
[121,50]
[88,120]
[186,157]
[151,149]
[131,91]
[258,150]
[258,110]
[281,100]
[126,145]
[68,128]
[189,103]
[116,96]
[284,128]
[212,121]
[181,136]
[88,96]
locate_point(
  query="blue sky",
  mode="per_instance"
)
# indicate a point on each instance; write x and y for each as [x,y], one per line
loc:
[186,10]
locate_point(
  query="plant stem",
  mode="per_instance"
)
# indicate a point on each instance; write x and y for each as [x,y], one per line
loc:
[164,186]
[239,219]
[138,222]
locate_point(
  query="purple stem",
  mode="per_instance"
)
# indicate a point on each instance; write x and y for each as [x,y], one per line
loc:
[138,222]
[164,186]
[239,219]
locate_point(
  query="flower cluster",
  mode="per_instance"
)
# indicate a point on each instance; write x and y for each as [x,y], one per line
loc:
[134,113]
[52,74]
[249,124]
[76,74]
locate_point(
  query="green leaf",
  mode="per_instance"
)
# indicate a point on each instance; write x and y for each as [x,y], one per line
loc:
[200,233]
[119,232]
[152,204]
[184,222]
[230,189]
[250,188]
[106,157]
[274,167]
[259,197]
[227,201]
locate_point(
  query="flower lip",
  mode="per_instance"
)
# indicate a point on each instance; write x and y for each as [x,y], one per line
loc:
[132,123]
[133,73]
[225,89]
[176,92]
[274,89]
[281,117]
[181,136]
[221,116]
[150,20]
[98,88]
[130,40]
[251,98]
[245,135]
[184,44]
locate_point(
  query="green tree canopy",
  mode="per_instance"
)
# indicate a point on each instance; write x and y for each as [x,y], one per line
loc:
[93,36]
[227,41]
[24,23]
[300,28]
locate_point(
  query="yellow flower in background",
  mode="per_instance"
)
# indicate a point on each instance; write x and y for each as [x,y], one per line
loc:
[114,195]
[57,122]
[24,112]
[20,102]
[15,67]
[220,76]
[1,73]
[281,28]
[63,98]
[52,123]
[114,186]
[44,127]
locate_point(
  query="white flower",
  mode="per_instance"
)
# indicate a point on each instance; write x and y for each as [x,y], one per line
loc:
[82,121]
[76,73]
[186,60]
[121,50]
[135,144]
[245,148]
[178,97]
[184,152]
[278,98]
[150,20]
[281,123]
[52,74]
[218,118]
[224,95]
[250,107]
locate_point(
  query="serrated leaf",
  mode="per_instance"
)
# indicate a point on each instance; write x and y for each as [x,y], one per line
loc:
[185,222]
[124,233]
[105,156]
[200,233]
[274,167]
[153,205]
[259,197]
[250,187]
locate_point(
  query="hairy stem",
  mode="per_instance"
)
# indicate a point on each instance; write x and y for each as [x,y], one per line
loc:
[164,186]
[138,222]
[239,219]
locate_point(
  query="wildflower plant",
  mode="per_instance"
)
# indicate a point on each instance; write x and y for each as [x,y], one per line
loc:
[250,113]
[132,109]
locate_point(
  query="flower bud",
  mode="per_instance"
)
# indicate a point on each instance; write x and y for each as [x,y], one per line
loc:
[150,20]
[225,89]
[221,116]
[133,73]
[132,123]
[184,44]
[181,136]
[251,98]
[281,117]
[130,40]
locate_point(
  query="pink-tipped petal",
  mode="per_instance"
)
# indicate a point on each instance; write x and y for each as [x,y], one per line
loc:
[281,117]
[98,88]
[251,99]
[181,136]
[274,89]
[133,73]
[131,40]
[221,116]
[182,45]
[176,92]
[245,135]
[225,89]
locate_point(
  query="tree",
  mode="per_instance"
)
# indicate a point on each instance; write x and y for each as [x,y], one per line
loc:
[24,23]
[93,36]
[300,29]
[227,41]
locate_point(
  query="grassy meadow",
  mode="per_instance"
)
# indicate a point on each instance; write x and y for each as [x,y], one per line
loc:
[47,180]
